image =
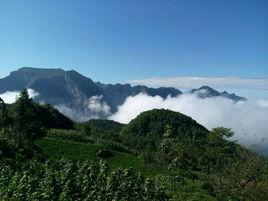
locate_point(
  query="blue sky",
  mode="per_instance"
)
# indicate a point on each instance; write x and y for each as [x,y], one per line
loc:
[120,40]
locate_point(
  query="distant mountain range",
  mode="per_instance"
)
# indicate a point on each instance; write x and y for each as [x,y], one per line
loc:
[206,92]
[69,89]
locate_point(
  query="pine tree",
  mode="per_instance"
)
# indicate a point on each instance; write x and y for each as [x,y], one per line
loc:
[26,124]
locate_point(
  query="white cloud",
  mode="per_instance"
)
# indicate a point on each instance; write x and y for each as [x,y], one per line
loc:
[94,108]
[97,106]
[247,117]
[263,103]
[11,96]
[32,93]
[74,114]
[190,82]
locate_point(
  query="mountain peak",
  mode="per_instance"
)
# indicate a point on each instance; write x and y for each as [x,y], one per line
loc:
[208,89]
[72,71]
[206,92]
[30,72]
[27,69]
[205,87]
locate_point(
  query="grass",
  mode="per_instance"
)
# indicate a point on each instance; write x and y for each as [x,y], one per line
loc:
[55,149]
[71,150]
[58,149]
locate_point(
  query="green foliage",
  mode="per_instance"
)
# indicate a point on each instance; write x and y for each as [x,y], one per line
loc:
[240,178]
[52,118]
[104,132]
[64,134]
[2,113]
[76,181]
[45,115]
[218,135]
[56,149]
[101,128]
[104,153]
[172,149]
[183,153]
[146,130]
[21,127]
[231,171]
[25,122]
[219,151]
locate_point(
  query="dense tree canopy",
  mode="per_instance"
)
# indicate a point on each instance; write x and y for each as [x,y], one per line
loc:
[52,118]
[25,120]
[101,128]
[148,128]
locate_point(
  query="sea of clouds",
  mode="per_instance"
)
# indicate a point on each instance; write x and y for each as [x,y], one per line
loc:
[248,119]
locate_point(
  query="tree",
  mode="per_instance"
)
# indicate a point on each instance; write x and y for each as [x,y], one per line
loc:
[219,151]
[25,123]
[3,120]
[219,135]
[233,171]
[2,109]
[180,152]
[168,143]
[240,179]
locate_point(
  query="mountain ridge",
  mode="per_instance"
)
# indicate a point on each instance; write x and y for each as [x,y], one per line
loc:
[74,90]
[207,92]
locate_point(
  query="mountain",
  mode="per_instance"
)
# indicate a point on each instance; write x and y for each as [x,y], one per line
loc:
[206,92]
[80,97]
[69,89]
[116,94]
[54,86]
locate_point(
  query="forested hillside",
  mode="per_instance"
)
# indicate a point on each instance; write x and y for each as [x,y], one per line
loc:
[160,155]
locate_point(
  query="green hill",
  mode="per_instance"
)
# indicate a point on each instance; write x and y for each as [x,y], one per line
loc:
[52,118]
[160,155]
[148,128]
[48,116]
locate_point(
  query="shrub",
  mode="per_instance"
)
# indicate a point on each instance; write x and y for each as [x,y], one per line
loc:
[104,153]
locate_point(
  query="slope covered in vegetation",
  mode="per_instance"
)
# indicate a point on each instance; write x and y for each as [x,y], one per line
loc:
[160,155]
[101,128]
[148,129]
